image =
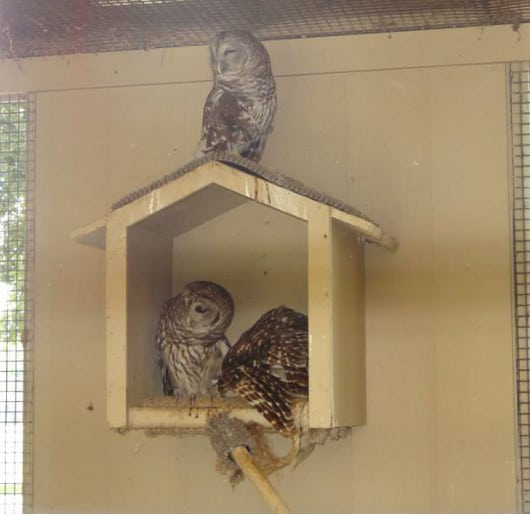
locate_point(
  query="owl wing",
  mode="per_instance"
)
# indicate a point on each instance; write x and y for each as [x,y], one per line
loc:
[271,361]
[227,125]
[167,385]
[278,340]
[269,396]
[161,337]
[287,360]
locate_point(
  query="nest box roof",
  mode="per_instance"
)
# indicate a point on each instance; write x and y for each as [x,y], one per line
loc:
[207,187]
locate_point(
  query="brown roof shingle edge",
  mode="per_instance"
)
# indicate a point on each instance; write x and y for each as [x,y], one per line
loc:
[246,166]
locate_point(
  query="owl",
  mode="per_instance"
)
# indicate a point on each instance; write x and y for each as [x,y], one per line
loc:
[190,339]
[268,367]
[240,108]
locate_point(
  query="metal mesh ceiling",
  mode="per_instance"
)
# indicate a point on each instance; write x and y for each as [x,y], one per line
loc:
[47,27]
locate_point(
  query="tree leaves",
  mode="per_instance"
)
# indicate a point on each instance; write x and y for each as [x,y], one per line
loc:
[13,175]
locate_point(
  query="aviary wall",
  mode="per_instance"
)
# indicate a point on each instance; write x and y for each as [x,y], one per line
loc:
[412,130]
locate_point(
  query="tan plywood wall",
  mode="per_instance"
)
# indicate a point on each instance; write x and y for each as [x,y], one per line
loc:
[423,150]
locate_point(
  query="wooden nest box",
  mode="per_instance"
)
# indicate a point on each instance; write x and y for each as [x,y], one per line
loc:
[214,220]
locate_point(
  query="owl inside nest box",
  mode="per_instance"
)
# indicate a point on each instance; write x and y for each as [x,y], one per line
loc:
[267,242]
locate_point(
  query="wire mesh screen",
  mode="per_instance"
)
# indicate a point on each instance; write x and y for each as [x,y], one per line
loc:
[520,102]
[16,250]
[45,27]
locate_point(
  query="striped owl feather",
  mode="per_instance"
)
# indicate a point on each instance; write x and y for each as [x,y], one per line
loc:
[240,108]
[191,340]
[268,367]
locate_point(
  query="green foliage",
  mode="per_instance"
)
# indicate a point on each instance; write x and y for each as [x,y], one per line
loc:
[10,488]
[13,175]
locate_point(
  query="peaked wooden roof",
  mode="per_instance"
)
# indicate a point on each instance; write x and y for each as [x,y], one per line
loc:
[171,215]
[251,168]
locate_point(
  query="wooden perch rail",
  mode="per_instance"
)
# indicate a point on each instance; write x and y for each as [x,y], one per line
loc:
[245,461]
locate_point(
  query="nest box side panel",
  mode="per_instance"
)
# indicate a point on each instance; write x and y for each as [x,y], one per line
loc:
[337,389]
[148,288]
[348,321]
[319,258]
[116,306]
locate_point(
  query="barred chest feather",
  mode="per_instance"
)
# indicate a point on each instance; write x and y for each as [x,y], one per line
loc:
[188,366]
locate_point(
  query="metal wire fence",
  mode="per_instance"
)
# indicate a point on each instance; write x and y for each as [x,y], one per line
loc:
[520,110]
[46,27]
[16,254]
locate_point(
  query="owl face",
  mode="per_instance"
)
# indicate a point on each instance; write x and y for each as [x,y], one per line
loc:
[204,308]
[237,53]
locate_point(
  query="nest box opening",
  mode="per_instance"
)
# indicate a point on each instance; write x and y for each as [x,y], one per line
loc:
[257,253]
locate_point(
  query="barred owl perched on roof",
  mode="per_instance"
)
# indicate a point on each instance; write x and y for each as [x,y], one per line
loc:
[191,339]
[268,367]
[240,108]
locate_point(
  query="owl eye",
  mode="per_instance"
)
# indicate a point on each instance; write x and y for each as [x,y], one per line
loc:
[200,309]
[230,51]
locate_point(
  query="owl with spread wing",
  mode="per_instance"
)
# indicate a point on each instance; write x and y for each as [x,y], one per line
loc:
[268,367]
